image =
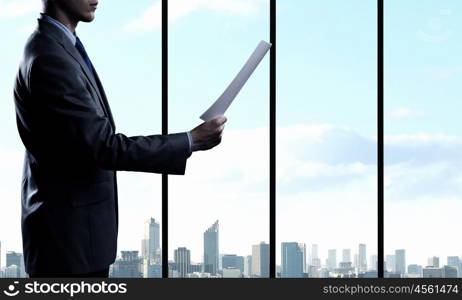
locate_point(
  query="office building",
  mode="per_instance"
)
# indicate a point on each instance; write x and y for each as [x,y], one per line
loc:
[432,272]
[331,259]
[233,261]
[362,258]
[211,249]
[400,262]
[414,271]
[128,266]
[150,245]
[433,261]
[260,260]
[346,255]
[182,257]
[292,260]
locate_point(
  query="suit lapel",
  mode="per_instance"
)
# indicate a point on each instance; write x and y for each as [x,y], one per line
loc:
[104,98]
[73,52]
[76,55]
[95,82]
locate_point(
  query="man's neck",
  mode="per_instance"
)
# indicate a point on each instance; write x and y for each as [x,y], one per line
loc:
[62,17]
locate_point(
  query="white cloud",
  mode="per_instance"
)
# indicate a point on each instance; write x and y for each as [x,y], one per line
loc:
[435,30]
[446,72]
[434,37]
[423,166]
[151,18]
[403,113]
[446,12]
[18,8]
[421,139]
[423,188]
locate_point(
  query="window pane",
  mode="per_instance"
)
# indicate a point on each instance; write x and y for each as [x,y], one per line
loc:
[129,65]
[14,29]
[326,139]
[128,61]
[422,138]
[219,210]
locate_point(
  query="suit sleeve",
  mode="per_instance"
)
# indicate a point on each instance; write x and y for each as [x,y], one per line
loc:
[70,117]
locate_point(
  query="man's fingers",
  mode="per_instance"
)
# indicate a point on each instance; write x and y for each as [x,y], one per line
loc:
[216,141]
[219,120]
[209,133]
[213,143]
[219,129]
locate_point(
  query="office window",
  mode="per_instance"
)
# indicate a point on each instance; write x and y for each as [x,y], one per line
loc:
[128,63]
[326,139]
[422,138]
[15,29]
[219,211]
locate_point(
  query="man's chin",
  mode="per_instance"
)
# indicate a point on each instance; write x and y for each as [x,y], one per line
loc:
[88,17]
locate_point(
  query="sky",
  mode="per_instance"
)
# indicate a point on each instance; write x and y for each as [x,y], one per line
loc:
[326,94]
[422,100]
[326,118]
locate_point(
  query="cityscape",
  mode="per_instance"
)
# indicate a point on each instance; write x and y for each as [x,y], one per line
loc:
[297,261]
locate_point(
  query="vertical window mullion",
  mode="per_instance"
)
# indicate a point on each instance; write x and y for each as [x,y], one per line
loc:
[164,131]
[380,144]
[272,176]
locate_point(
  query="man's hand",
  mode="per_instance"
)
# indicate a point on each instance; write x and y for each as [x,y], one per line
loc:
[208,134]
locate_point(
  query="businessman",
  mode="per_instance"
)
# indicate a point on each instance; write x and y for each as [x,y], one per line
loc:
[69,187]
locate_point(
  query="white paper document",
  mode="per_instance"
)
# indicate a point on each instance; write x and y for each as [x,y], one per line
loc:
[225,100]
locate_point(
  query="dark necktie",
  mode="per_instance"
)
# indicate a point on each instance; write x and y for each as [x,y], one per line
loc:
[83,53]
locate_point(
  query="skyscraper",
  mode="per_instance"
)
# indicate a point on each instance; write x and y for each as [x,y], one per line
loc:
[211,249]
[434,261]
[362,260]
[314,255]
[151,242]
[302,247]
[292,260]
[332,259]
[373,263]
[260,260]
[182,261]
[248,266]
[455,262]
[390,263]
[346,255]
[400,262]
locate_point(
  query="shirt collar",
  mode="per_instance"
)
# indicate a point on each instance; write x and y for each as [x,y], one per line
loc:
[71,36]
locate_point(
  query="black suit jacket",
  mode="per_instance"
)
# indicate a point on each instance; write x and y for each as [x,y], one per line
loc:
[69,187]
